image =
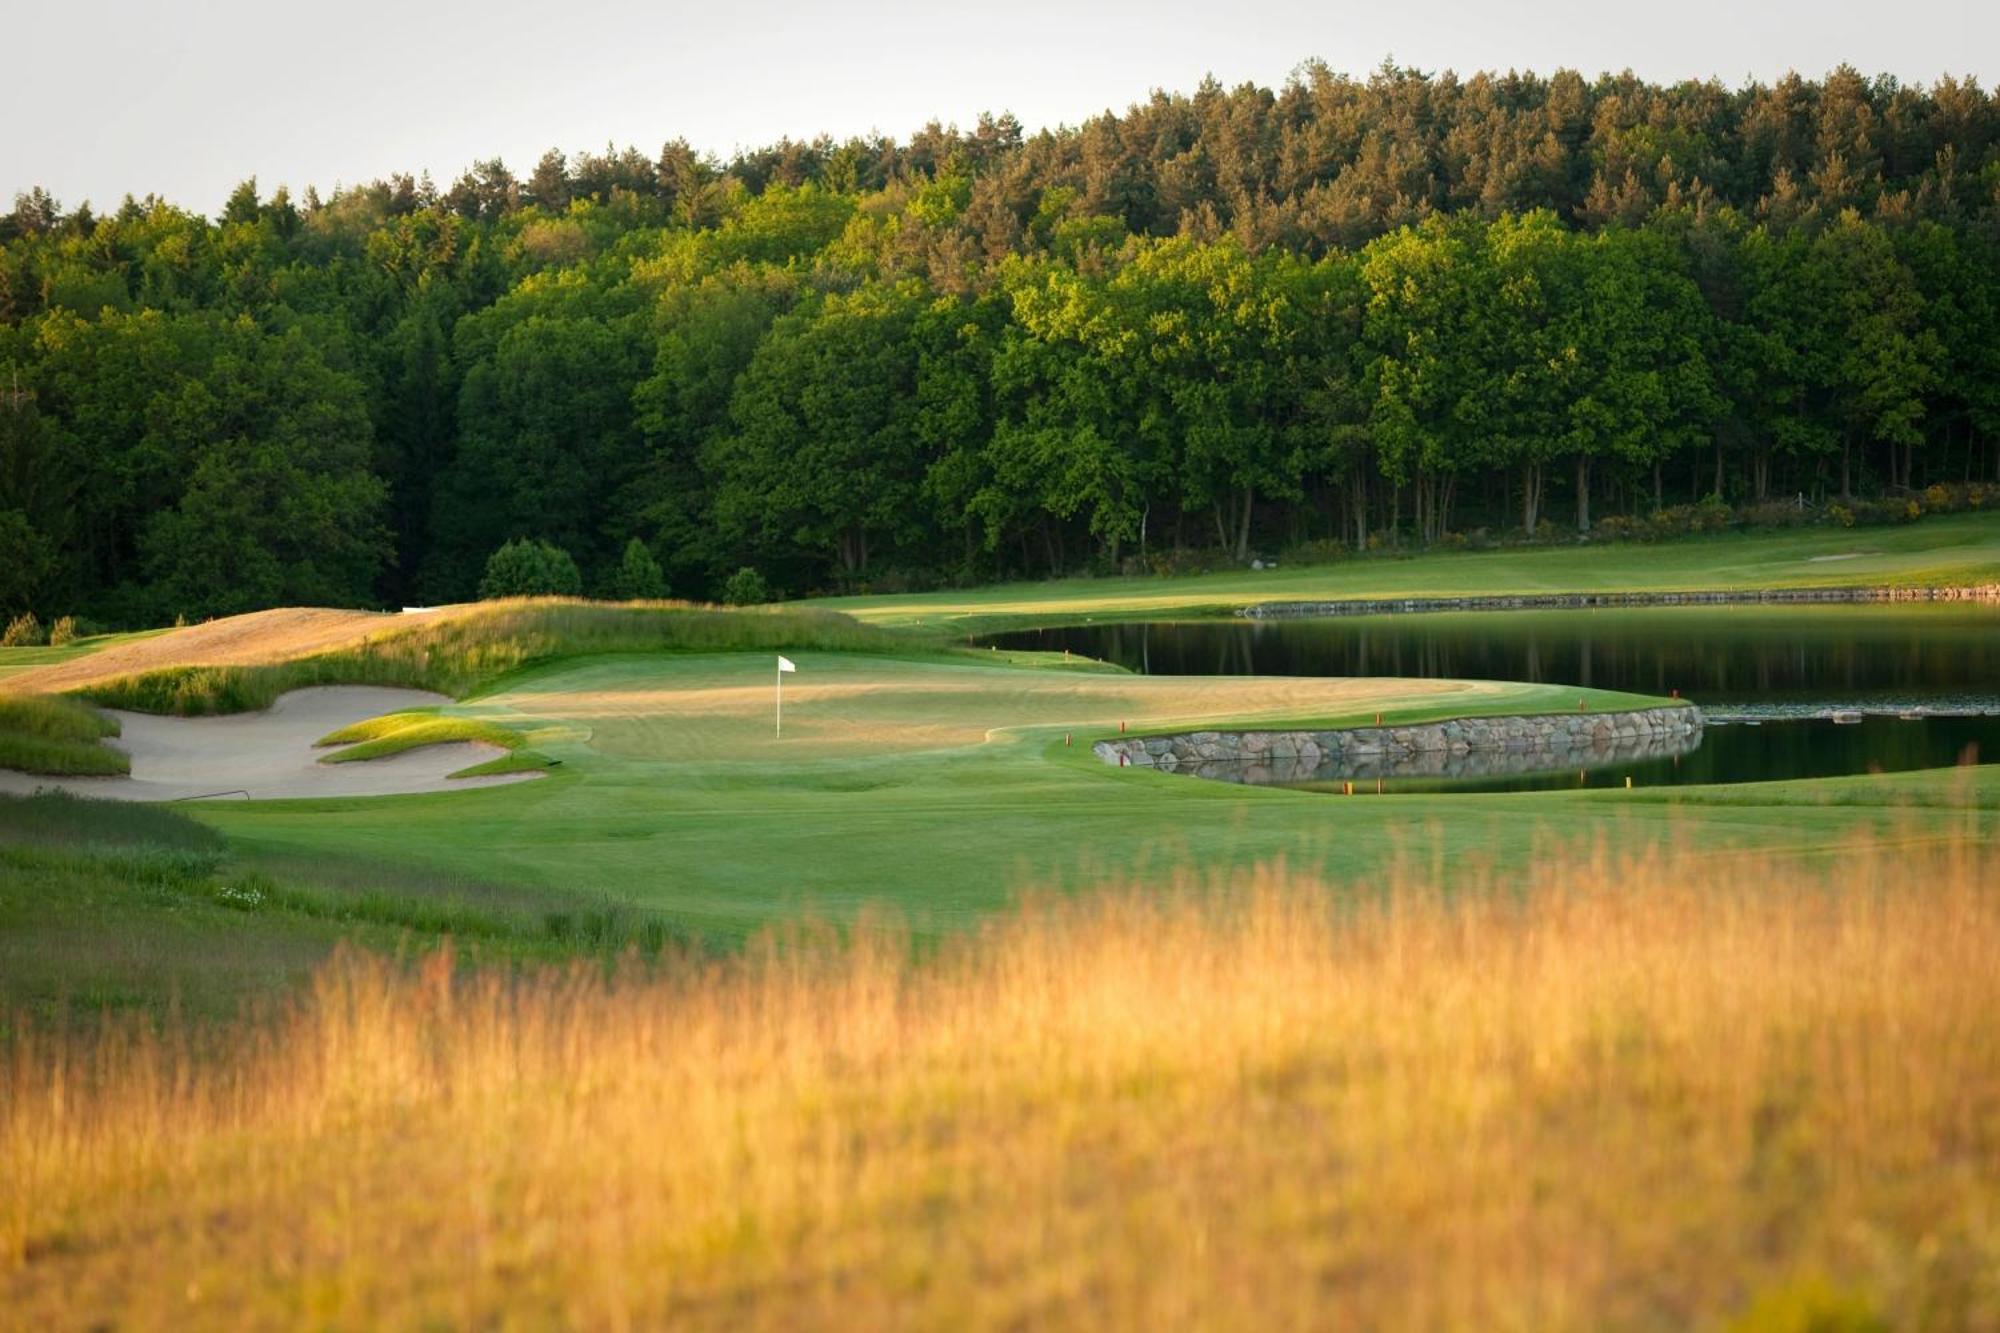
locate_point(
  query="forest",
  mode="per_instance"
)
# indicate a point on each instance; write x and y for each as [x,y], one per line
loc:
[1404,309]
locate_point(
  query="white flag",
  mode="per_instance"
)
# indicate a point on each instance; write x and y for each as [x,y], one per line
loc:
[785,664]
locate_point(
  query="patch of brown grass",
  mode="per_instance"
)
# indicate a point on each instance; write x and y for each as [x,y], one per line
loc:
[1655,1092]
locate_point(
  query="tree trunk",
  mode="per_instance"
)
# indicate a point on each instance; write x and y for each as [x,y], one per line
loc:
[1718,470]
[1360,493]
[1659,487]
[1531,497]
[1846,467]
[1243,531]
[1583,492]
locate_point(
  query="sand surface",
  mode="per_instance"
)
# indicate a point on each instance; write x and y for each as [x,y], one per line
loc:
[271,755]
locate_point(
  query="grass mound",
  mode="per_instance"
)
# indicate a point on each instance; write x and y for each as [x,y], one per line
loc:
[463,653]
[1618,1093]
[395,733]
[58,819]
[46,733]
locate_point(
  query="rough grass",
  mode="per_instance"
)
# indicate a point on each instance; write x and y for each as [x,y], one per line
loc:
[463,653]
[1616,1094]
[43,733]
[120,906]
[395,733]
[57,819]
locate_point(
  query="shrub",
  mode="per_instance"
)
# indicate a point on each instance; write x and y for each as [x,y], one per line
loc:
[527,568]
[1876,513]
[638,576]
[1775,514]
[1617,528]
[23,631]
[1319,551]
[63,632]
[746,587]
[1171,562]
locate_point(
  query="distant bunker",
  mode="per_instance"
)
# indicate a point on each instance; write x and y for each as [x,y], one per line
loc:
[274,754]
[1471,747]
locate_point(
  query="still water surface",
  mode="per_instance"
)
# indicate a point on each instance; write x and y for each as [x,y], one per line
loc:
[1767,677]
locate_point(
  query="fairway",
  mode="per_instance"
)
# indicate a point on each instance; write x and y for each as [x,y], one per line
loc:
[942,789]
[1958,549]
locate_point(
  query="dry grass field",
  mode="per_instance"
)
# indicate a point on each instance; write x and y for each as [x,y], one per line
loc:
[1654,1092]
[257,639]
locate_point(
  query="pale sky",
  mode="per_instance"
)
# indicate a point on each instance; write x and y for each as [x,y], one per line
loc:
[185,99]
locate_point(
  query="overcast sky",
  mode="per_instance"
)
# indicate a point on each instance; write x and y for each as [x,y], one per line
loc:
[102,97]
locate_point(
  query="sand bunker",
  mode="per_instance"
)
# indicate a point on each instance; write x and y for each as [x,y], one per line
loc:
[270,755]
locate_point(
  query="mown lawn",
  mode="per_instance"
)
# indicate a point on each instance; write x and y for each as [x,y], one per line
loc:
[942,790]
[1953,549]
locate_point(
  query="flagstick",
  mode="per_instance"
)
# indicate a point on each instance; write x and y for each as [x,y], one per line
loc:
[781,703]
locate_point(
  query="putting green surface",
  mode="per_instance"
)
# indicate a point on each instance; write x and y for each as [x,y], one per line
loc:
[943,788]
[1946,550]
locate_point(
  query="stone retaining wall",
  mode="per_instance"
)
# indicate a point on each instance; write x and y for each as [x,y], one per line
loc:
[1462,747]
[1581,600]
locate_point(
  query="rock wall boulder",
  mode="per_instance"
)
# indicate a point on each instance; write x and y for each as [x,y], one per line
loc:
[1461,747]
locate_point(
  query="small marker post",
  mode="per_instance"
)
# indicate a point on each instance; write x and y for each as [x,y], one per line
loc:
[1066,739]
[1628,782]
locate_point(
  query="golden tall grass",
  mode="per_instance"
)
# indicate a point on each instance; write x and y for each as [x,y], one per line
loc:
[1663,1092]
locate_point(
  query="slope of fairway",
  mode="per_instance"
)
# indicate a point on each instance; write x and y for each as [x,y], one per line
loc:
[943,789]
[1943,551]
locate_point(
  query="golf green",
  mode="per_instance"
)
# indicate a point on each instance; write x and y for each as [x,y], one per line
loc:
[943,788]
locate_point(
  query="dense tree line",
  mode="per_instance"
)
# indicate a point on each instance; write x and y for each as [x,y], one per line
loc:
[1345,311]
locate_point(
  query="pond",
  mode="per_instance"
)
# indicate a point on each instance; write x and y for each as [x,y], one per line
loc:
[1925,679]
